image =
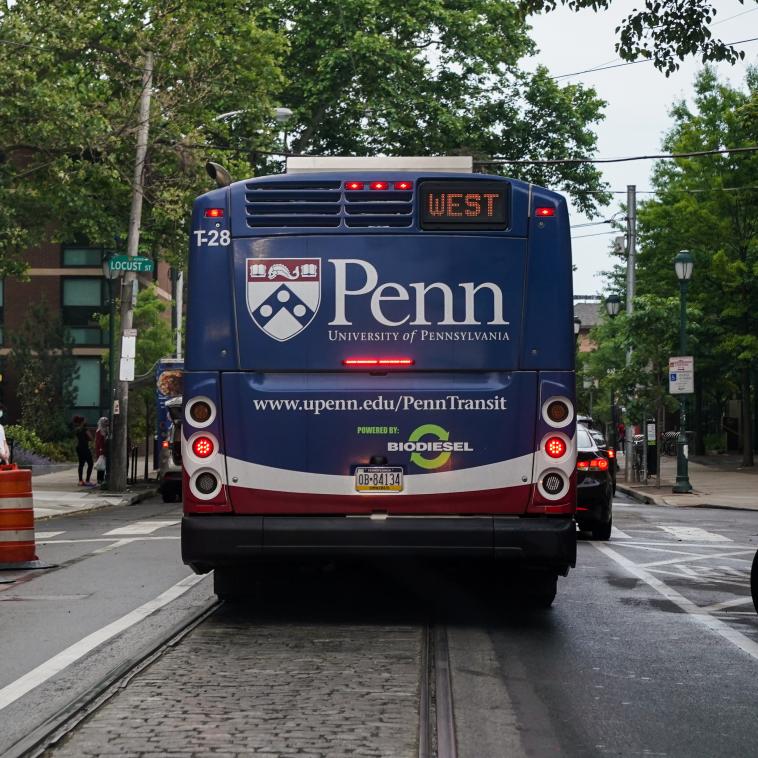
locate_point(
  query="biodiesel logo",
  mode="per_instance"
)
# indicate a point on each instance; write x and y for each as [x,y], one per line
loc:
[440,444]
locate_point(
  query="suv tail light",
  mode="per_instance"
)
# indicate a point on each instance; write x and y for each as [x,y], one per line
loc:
[595,464]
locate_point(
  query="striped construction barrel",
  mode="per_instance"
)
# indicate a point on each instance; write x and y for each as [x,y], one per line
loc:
[16,515]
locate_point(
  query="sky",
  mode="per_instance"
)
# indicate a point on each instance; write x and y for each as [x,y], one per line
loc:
[638,102]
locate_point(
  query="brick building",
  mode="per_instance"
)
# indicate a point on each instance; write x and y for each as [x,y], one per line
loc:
[70,279]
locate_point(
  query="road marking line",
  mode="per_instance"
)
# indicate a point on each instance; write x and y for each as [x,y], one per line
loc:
[15,690]
[107,539]
[705,557]
[694,534]
[698,614]
[47,535]
[727,604]
[689,546]
[141,527]
[617,534]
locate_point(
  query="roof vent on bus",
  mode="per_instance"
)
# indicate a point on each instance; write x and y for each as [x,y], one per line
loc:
[378,205]
[288,204]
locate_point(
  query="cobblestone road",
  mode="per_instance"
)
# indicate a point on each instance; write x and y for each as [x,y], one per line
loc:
[235,688]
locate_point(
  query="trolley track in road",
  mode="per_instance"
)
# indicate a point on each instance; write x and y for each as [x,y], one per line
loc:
[436,717]
[64,721]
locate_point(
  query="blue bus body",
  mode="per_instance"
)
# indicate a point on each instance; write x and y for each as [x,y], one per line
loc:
[377,382]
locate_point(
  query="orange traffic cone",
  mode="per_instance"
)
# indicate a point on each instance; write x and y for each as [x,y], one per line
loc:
[17,545]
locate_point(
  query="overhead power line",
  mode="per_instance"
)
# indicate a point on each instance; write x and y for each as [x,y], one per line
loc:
[654,157]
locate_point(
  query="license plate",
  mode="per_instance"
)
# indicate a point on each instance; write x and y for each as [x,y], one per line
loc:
[379,479]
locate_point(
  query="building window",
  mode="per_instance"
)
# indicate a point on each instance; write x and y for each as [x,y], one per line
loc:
[82,257]
[83,300]
[88,388]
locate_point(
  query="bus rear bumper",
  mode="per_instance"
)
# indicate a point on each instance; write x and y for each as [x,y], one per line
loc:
[209,541]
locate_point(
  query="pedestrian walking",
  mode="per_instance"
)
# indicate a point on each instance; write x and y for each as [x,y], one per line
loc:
[102,449]
[621,435]
[83,452]
[5,453]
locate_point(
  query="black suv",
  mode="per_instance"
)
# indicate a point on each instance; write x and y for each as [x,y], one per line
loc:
[594,486]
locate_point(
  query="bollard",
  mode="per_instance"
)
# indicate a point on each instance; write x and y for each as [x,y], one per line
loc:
[17,544]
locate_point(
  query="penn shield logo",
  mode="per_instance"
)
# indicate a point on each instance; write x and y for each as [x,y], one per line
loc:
[283,294]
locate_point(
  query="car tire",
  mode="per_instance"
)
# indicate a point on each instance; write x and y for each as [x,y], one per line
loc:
[168,497]
[602,532]
[754,582]
[233,585]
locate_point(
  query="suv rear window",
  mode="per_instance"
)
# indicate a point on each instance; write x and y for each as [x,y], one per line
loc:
[583,440]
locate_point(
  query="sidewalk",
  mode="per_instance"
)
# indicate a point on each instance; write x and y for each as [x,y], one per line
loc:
[57,492]
[717,482]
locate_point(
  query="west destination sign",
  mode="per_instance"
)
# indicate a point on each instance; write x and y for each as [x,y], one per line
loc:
[464,204]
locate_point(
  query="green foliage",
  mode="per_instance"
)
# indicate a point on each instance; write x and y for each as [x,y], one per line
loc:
[41,353]
[31,443]
[155,340]
[430,77]
[664,32]
[70,82]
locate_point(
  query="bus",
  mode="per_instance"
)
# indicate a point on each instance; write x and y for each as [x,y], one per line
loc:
[380,362]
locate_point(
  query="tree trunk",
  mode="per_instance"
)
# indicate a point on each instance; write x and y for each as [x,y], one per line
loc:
[747,418]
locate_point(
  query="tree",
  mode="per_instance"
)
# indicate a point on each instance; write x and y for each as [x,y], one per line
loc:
[709,206]
[664,32]
[41,353]
[430,77]
[70,81]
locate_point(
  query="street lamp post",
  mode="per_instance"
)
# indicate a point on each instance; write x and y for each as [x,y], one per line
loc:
[109,276]
[613,306]
[683,264]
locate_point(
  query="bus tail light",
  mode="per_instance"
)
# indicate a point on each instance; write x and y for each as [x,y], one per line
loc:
[544,212]
[353,186]
[379,185]
[402,185]
[213,213]
[363,362]
[555,447]
[203,447]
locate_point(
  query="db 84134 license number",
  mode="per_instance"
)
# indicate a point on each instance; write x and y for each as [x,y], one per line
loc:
[379,479]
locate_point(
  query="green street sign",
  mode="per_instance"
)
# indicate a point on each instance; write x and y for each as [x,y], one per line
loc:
[140,264]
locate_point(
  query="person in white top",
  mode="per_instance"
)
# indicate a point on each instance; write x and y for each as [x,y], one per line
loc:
[5,453]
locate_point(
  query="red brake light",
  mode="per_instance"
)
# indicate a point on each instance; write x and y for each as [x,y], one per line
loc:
[378,362]
[582,464]
[165,443]
[354,186]
[213,213]
[380,185]
[202,447]
[602,464]
[555,447]
[402,185]
[611,453]
[543,212]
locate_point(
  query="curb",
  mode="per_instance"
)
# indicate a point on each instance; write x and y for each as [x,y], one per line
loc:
[129,498]
[638,496]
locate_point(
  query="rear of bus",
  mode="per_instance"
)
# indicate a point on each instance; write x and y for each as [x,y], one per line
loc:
[379,363]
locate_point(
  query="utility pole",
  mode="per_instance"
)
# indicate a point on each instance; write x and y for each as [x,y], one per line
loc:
[631,254]
[119,451]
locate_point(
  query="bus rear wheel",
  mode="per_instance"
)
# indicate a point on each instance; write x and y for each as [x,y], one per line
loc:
[536,589]
[233,584]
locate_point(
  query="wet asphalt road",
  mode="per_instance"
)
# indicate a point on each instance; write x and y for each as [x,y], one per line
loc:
[651,647]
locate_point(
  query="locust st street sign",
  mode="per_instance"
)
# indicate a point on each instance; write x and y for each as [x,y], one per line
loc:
[681,375]
[140,264]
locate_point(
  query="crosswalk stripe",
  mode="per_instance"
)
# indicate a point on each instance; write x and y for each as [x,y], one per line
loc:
[140,527]
[694,534]
[617,534]
[48,535]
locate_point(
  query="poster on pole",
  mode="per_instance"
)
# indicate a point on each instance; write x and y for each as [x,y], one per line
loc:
[681,375]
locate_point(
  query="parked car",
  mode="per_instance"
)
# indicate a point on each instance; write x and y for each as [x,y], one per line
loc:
[608,451]
[594,487]
[170,469]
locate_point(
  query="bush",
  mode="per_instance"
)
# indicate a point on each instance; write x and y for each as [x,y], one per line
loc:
[714,442]
[29,442]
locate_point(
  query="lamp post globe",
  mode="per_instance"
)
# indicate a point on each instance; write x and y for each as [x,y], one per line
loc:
[613,305]
[577,325]
[683,265]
